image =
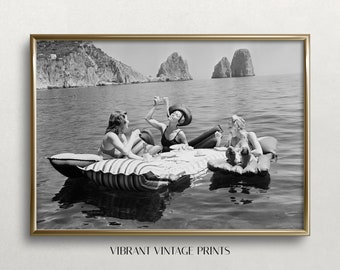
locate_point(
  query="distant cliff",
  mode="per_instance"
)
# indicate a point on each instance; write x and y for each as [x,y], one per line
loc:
[174,69]
[222,69]
[63,64]
[242,65]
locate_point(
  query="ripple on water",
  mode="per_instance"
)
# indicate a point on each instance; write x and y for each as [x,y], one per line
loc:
[74,120]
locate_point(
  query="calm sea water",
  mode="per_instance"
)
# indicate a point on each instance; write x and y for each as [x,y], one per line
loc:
[74,120]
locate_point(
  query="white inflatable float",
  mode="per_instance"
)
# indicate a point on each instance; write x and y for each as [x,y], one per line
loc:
[68,163]
[138,175]
[124,174]
[259,167]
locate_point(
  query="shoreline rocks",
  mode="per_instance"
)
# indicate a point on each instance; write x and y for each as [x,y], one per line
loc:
[242,65]
[175,68]
[222,69]
[69,64]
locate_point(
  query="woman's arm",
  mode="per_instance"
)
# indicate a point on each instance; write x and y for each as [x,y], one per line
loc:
[218,137]
[153,122]
[124,149]
[257,151]
[182,138]
[166,99]
[124,139]
[133,156]
[135,135]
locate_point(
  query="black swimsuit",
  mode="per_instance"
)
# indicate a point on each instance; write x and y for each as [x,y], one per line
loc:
[167,143]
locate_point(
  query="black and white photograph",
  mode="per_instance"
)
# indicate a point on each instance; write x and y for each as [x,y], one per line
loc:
[169,134]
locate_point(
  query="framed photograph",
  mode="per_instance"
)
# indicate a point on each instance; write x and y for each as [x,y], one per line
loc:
[170,134]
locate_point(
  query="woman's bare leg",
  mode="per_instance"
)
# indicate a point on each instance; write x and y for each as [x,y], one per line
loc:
[246,155]
[230,154]
[153,149]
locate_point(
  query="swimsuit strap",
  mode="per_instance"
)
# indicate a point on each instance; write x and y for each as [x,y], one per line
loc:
[179,130]
[176,135]
[168,142]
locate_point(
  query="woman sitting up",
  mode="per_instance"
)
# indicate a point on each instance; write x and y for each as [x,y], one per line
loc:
[243,146]
[115,144]
[171,134]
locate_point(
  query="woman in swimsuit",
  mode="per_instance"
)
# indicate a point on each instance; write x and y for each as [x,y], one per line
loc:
[243,146]
[171,134]
[115,144]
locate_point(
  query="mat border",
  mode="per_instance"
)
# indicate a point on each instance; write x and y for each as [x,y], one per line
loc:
[168,37]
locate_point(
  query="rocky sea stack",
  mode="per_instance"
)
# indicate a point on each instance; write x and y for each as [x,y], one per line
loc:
[222,69]
[242,65]
[64,64]
[174,69]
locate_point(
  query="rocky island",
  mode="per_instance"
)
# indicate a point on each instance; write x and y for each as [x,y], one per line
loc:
[174,69]
[65,64]
[222,69]
[242,65]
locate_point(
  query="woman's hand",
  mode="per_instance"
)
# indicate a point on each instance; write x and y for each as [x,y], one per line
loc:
[238,121]
[155,100]
[135,134]
[181,147]
[218,135]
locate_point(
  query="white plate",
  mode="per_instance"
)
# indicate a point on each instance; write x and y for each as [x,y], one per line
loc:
[168,155]
[177,146]
[181,146]
[222,148]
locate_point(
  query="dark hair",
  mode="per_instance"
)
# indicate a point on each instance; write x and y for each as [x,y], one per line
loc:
[186,114]
[116,120]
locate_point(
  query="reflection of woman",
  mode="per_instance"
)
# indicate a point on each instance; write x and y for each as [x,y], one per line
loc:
[115,144]
[171,134]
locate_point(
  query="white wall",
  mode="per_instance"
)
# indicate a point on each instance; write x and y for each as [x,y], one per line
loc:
[21,18]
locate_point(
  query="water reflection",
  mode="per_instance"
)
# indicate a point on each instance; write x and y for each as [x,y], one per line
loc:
[141,206]
[231,181]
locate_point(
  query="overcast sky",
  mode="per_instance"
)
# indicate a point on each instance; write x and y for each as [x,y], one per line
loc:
[269,57]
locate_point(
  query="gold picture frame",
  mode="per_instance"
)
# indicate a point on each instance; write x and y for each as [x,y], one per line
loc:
[303,230]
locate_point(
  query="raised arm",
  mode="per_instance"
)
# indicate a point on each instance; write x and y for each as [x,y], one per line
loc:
[238,121]
[153,122]
[167,106]
[218,137]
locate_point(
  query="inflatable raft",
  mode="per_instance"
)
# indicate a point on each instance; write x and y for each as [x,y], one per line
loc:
[259,167]
[68,164]
[137,175]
